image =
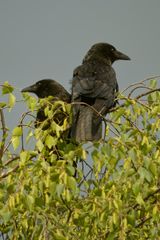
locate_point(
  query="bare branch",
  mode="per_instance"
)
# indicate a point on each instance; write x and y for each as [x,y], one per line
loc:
[139,87]
[133,85]
[140,83]
[147,93]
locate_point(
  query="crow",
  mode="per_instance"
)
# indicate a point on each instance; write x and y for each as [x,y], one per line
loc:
[94,83]
[49,87]
[45,88]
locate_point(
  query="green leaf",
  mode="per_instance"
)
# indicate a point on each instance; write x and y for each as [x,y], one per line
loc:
[31,101]
[12,100]
[145,174]
[111,236]
[15,142]
[50,141]
[5,214]
[59,236]
[145,140]
[115,218]
[140,200]
[153,168]
[155,211]
[29,136]
[2,104]
[136,188]
[67,195]
[7,88]
[150,99]
[153,83]
[70,170]
[71,183]
[29,201]
[39,145]
[131,218]
[17,131]
[59,189]
[23,157]
[119,113]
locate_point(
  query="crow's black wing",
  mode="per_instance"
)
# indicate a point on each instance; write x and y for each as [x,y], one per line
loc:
[94,84]
[93,81]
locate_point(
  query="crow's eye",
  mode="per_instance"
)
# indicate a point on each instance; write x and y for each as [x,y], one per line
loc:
[112,49]
[38,83]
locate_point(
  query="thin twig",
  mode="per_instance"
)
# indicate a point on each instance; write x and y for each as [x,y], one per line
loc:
[70,210]
[146,93]
[139,87]
[11,160]
[132,124]
[4,130]
[144,105]
[141,82]
[132,85]
[9,172]
[142,222]
[84,178]
[7,146]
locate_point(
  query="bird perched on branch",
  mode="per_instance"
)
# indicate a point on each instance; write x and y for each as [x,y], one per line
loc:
[49,87]
[45,88]
[94,84]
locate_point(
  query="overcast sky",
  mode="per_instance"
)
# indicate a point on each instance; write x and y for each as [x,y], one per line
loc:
[48,39]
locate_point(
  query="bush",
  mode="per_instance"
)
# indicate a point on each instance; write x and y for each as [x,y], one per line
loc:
[116,191]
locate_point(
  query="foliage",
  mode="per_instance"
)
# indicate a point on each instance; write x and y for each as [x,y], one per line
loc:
[116,191]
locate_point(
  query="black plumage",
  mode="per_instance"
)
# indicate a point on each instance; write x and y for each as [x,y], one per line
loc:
[49,87]
[94,83]
[45,88]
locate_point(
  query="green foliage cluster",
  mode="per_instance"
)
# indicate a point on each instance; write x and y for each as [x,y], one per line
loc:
[116,191]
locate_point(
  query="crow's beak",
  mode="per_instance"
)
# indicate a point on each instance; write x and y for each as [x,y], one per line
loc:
[121,56]
[32,88]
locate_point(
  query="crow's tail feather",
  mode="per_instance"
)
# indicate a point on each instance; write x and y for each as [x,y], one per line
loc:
[87,126]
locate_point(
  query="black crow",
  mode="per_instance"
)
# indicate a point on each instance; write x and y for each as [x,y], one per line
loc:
[45,88]
[94,83]
[49,87]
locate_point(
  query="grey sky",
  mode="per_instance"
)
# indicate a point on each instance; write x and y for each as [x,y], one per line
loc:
[48,38]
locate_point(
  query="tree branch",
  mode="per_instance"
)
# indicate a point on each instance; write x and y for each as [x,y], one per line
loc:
[146,93]
[145,199]
[4,130]
[4,175]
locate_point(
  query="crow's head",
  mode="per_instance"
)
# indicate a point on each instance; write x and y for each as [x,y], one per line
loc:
[105,51]
[48,87]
